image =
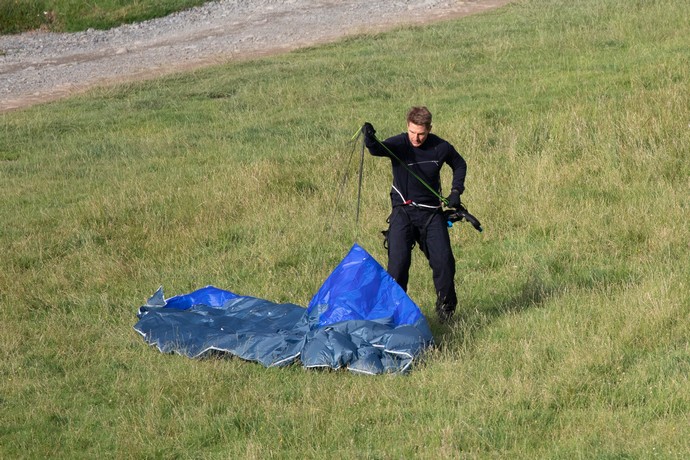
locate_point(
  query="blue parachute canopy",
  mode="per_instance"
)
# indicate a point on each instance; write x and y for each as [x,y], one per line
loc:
[360,319]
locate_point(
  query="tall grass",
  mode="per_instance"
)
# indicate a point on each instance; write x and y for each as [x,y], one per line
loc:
[571,339]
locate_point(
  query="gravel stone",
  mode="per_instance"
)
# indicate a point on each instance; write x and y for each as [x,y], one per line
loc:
[39,66]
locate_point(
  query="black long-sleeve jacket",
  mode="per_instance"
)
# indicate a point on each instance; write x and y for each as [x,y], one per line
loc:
[426,161]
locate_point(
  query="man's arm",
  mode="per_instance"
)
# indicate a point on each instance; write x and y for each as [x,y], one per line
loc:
[459,166]
[371,141]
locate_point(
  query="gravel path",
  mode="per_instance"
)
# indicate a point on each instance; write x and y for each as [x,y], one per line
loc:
[37,67]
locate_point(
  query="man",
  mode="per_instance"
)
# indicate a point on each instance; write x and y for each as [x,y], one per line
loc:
[417,216]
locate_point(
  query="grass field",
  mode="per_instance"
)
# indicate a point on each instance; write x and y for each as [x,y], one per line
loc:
[572,336]
[77,15]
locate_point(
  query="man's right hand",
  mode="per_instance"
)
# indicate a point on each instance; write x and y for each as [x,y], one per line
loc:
[368,130]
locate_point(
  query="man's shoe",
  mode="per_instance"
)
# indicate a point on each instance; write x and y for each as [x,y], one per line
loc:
[444,315]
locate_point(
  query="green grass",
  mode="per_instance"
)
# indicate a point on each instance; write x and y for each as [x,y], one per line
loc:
[77,15]
[572,334]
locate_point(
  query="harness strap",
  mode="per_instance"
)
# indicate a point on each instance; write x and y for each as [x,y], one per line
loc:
[422,231]
[408,202]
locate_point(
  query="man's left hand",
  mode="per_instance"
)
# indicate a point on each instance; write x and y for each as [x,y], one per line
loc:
[453,199]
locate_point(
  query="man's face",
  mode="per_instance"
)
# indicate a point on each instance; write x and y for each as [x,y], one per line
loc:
[417,134]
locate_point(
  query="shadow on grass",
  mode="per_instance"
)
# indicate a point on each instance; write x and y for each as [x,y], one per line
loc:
[533,292]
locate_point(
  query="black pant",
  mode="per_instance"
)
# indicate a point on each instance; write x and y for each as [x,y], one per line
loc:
[428,228]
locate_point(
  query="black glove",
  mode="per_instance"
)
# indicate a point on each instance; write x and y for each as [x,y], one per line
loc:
[454,199]
[368,130]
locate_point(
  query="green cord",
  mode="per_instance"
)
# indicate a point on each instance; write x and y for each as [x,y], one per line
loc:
[402,163]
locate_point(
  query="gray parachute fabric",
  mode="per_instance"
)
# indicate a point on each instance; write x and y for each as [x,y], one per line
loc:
[360,319]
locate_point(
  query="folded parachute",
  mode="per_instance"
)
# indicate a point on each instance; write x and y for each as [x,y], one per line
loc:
[360,319]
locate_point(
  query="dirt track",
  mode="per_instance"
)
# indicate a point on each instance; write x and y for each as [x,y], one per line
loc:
[39,67]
